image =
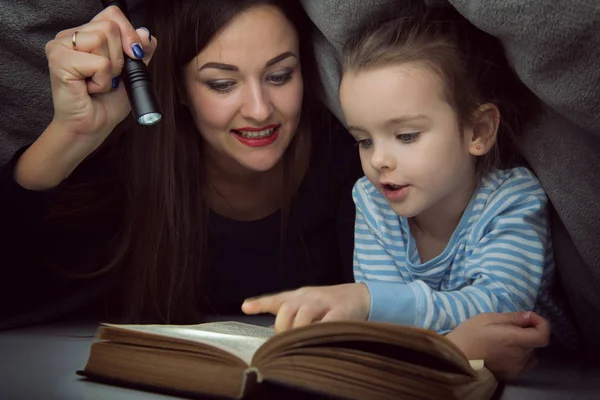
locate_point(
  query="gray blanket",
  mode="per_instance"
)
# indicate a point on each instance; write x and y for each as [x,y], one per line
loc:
[553,44]
[25,95]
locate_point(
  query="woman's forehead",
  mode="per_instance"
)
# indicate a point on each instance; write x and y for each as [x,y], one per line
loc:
[253,37]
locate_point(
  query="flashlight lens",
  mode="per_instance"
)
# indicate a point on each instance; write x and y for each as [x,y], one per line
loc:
[150,118]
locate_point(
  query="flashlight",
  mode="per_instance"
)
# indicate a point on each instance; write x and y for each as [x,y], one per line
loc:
[138,82]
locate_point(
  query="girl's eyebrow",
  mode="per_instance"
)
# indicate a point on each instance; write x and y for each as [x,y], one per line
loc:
[352,128]
[393,121]
[408,118]
[230,67]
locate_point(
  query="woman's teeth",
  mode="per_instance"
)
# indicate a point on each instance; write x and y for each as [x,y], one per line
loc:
[256,135]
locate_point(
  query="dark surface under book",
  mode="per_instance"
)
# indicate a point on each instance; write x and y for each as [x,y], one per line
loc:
[265,391]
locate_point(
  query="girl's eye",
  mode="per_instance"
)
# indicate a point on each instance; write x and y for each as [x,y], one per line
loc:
[407,137]
[220,86]
[280,79]
[365,143]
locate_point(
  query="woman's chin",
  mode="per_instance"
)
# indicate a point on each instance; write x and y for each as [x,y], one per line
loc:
[261,159]
[263,163]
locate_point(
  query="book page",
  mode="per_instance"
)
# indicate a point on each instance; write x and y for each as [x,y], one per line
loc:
[237,338]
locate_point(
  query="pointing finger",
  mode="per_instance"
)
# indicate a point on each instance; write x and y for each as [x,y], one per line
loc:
[266,304]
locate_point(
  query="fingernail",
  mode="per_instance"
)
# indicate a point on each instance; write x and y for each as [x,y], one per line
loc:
[115,82]
[137,51]
[149,35]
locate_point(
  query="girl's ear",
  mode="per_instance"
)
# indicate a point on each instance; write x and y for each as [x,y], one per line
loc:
[486,120]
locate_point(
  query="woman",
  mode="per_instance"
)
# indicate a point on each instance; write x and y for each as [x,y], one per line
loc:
[233,194]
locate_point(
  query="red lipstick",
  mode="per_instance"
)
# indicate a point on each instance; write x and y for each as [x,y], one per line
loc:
[258,141]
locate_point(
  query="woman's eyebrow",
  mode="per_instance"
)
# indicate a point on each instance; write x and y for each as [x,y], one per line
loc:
[221,66]
[279,58]
[230,67]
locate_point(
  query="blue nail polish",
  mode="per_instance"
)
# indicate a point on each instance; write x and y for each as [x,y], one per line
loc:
[137,51]
[115,82]
[149,35]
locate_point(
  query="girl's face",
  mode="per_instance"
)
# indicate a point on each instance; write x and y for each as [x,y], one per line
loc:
[244,89]
[410,145]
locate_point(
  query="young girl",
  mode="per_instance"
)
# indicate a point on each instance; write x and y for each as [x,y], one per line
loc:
[441,234]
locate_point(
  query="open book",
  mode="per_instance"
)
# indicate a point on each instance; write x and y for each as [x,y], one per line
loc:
[354,360]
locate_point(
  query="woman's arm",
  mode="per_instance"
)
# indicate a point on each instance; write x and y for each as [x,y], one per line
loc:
[34,253]
[21,253]
[21,213]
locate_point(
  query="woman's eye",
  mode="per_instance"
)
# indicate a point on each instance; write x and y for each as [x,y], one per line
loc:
[220,86]
[407,137]
[365,143]
[280,79]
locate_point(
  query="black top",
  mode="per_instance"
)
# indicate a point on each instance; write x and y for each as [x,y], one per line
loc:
[243,258]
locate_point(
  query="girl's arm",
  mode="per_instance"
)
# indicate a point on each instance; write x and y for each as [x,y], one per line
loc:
[503,272]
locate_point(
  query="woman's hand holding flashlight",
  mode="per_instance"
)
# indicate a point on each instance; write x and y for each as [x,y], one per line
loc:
[88,101]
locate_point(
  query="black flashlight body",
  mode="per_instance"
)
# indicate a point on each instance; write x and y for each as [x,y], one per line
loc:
[138,82]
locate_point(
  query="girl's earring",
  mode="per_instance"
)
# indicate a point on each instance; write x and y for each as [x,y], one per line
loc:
[478,147]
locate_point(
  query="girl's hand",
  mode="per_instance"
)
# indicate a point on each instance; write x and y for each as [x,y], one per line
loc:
[505,341]
[86,106]
[301,307]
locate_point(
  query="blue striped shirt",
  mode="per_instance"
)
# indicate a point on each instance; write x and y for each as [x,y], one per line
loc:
[496,260]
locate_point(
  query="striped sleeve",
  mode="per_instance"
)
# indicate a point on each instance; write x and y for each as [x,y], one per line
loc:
[370,255]
[502,273]
[375,263]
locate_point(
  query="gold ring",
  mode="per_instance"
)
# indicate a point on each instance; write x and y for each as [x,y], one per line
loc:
[74,40]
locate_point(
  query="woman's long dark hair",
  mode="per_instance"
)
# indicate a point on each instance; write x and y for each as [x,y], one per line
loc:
[160,191]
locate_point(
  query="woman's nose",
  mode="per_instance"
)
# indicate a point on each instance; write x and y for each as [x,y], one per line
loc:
[256,104]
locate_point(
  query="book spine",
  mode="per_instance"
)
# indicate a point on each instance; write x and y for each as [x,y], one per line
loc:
[252,378]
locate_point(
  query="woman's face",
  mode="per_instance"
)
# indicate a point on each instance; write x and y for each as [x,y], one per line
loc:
[244,89]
